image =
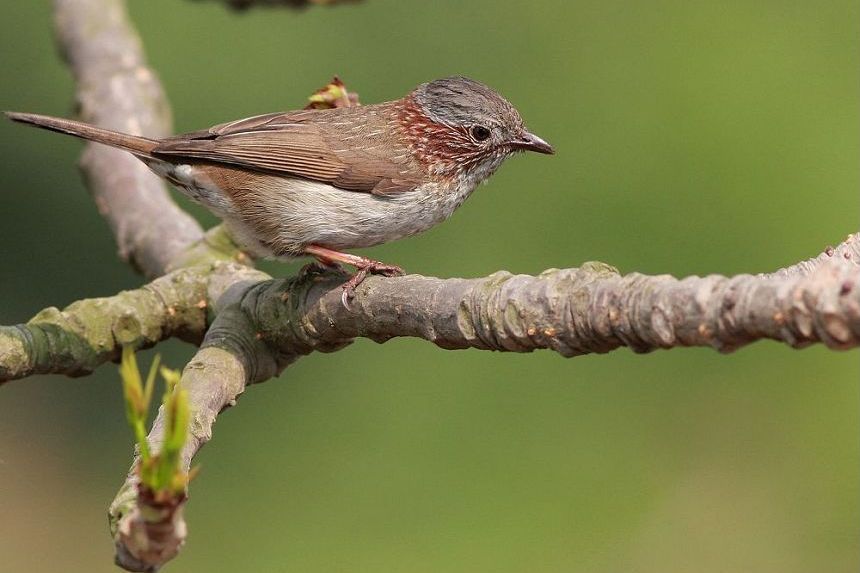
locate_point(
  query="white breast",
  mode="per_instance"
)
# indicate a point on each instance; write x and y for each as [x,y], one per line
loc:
[315,213]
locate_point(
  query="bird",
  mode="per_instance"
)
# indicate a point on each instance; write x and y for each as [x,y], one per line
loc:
[318,182]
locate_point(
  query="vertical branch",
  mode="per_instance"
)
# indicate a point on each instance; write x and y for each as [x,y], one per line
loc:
[116,89]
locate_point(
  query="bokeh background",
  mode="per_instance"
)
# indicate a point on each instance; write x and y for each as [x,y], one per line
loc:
[693,137]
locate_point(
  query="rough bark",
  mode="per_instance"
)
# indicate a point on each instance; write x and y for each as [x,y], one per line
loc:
[572,311]
[86,334]
[264,326]
[592,309]
[116,89]
[148,534]
[76,340]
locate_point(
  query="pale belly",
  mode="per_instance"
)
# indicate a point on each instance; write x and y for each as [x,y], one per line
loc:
[279,216]
[314,213]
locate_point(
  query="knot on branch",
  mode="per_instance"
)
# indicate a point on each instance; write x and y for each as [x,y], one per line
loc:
[824,306]
[521,313]
[234,331]
[280,311]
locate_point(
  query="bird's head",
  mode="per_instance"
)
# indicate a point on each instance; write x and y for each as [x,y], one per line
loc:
[460,127]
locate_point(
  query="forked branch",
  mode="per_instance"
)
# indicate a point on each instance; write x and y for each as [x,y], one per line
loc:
[264,326]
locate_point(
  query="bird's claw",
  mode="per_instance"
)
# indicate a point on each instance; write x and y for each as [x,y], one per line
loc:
[377,268]
[374,268]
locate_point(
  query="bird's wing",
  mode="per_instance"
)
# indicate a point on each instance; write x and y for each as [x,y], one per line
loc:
[321,145]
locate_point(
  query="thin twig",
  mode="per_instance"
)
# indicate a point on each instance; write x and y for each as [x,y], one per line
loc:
[847,251]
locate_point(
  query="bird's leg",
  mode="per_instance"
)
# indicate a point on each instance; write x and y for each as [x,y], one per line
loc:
[321,264]
[363,265]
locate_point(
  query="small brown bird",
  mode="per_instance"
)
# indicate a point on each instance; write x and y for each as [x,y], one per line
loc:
[316,182]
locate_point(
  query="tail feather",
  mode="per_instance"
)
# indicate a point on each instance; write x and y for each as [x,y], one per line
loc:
[133,143]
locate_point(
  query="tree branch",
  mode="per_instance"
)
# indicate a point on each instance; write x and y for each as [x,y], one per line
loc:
[117,90]
[148,534]
[90,332]
[571,311]
[264,326]
[847,251]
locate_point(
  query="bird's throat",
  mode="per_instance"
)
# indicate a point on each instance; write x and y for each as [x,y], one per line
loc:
[445,151]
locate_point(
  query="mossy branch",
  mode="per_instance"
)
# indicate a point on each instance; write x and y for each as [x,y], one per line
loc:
[86,334]
[76,340]
[572,311]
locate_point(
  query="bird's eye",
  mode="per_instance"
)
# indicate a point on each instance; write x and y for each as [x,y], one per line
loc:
[480,133]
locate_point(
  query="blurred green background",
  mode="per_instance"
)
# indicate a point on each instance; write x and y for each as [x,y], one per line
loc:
[693,137]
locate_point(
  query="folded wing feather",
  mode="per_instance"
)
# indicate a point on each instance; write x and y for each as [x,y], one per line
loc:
[305,144]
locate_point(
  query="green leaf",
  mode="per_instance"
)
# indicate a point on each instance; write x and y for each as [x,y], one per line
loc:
[150,381]
[160,472]
[136,398]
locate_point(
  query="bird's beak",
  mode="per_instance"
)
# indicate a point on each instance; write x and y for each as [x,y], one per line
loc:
[531,142]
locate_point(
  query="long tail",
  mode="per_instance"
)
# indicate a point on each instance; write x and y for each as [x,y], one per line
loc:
[133,143]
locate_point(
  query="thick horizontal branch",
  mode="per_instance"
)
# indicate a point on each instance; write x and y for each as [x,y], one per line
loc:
[571,311]
[116,89]
[591,309]
[76,340]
